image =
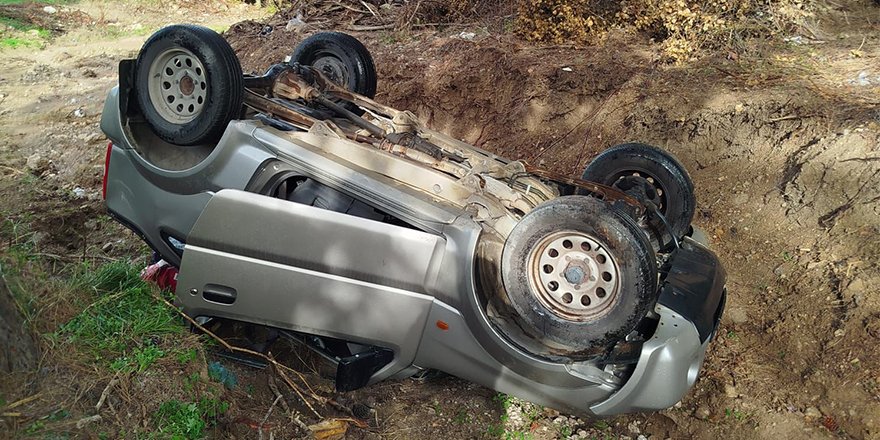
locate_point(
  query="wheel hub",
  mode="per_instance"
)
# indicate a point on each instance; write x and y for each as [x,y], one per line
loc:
[332,68]
[574,276]
[642,186]
[178,85]
[187,85]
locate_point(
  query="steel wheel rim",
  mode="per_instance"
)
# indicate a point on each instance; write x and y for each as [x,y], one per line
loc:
[178,85]
[574,276]
[649,179]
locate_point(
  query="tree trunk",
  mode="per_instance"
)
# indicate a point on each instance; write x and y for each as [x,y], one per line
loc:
[18,349]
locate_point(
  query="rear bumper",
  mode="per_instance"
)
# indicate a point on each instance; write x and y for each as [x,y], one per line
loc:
[690,306]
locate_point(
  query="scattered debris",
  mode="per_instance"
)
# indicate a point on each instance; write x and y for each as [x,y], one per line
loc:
[81,423]
[221,374]
[330,429]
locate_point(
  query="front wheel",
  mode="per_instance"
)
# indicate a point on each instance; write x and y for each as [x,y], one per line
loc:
[342,59]
[579,274]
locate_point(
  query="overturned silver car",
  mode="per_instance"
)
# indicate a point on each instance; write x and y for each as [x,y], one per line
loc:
[295,201]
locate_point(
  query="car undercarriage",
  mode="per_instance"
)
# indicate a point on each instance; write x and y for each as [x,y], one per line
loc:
[293,200]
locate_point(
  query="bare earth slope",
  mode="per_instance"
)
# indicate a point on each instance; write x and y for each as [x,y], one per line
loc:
[782,143]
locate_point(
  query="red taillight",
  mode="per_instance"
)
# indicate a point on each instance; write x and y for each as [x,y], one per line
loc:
[106,169]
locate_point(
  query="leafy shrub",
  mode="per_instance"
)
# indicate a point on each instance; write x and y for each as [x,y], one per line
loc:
[682,26]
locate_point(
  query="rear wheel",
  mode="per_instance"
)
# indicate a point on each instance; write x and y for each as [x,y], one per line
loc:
[650,174]
[189,84]
[342,59]
[579,274]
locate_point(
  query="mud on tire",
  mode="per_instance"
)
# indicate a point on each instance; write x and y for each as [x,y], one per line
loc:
[579,274]
[667,180]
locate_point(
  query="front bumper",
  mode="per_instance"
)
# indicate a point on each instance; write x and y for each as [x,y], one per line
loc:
[691,302]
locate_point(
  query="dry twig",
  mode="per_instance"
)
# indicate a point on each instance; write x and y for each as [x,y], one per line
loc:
[266,417]
[279,368]
[106,392]
[26,400]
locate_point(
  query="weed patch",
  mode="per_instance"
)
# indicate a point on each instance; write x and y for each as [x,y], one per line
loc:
[124,314]
[683,27]
[182,420]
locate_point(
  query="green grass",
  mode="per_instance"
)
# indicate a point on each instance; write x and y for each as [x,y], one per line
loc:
[41,2]
[123,319]
[14,43]
[24,34]
[187,420]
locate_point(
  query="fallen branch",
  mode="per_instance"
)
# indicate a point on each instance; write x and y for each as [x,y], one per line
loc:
[266,417]
[380,27]
[788,118]
[106,392]
[14,170]
[86,420]
[21,402]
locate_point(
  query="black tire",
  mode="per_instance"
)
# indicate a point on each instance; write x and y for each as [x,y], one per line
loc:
[340,57]
[214,95]
[613,234]
[676,196]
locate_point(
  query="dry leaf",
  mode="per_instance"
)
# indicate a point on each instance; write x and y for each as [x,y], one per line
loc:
[331,429]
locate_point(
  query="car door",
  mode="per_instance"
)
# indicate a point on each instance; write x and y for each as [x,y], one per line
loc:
[274,262]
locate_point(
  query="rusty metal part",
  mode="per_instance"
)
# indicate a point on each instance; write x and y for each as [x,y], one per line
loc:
[265,105]
[419,156]
[373,129]
[603,191]
[289,85]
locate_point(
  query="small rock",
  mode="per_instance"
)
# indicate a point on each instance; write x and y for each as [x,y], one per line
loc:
[839,332]
[467,35]
[812,414]
[738,316]
[294,23]
[780,271]
[39,165]
[730,391]
[703,412]
[633,427]
[108,246]
[86,420]
[49,9]
[79,113]
[566,69]
[93,137]
[78,193]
